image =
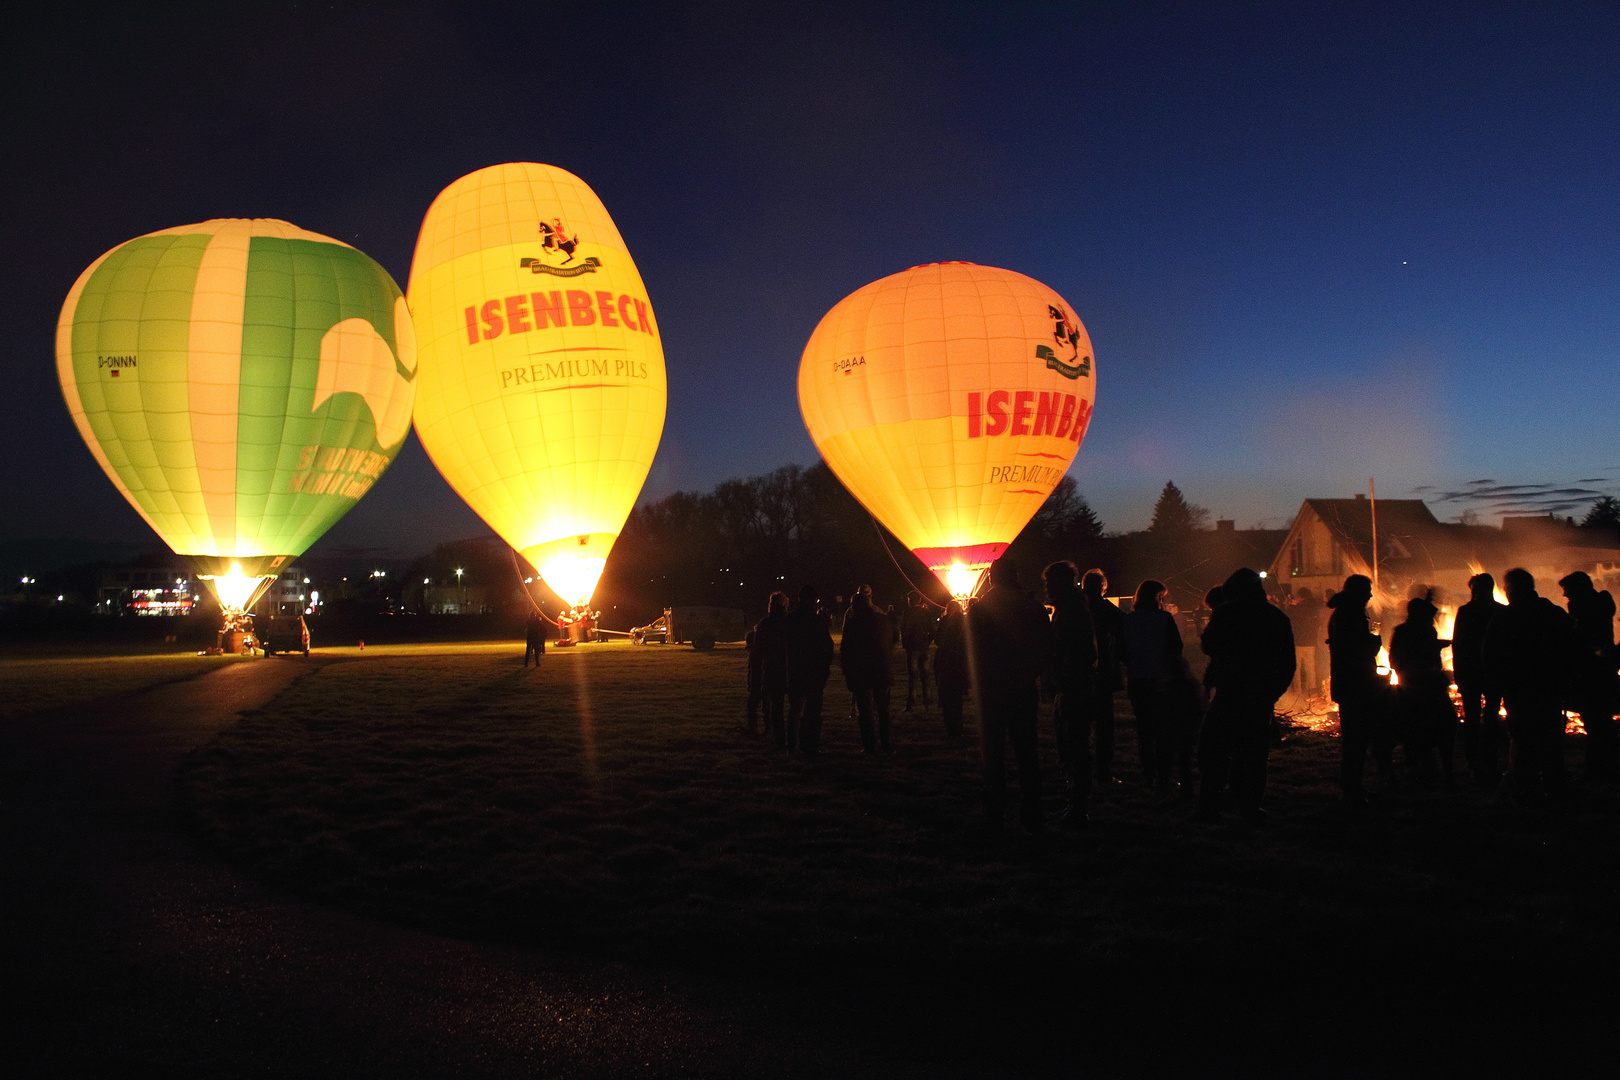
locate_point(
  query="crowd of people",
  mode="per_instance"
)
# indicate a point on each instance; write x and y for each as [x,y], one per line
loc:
[1207,738]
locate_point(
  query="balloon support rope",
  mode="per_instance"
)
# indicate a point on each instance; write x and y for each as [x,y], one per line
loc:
[920,591]
[518,570]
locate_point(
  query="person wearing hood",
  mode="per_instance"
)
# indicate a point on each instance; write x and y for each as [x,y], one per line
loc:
[1530,650]
[1482,707]
[1423,692]
[1596,690]
[1073,676]
[1011,639]
[1251,646]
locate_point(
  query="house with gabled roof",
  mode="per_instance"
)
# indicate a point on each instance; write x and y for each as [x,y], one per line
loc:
[1333,538]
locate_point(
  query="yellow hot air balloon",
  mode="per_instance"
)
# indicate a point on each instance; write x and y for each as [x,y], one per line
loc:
[950,399]
[243,383]
[541,395]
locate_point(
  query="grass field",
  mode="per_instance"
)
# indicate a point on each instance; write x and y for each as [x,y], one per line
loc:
[610,802]
[35,682]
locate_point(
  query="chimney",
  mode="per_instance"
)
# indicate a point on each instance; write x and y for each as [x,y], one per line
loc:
[1225,525]
[1361,496]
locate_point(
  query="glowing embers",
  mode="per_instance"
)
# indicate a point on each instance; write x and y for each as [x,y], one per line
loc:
[236,591]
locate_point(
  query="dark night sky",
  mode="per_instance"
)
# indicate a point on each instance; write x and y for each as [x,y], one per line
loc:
[1311,242]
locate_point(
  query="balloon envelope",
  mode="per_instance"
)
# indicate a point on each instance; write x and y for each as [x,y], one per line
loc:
[950,399]
[242,382]
[542,389]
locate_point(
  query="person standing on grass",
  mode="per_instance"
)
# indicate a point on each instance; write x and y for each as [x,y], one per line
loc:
[1596,691]
[864,655]
[809,662]
[1109,624]
[1251,644]
[1529,652]
[1353,666]
[1152,655]
[755,674]
[1482,708]
[951,667]
[1424,692]
[1306,615]
[917,628]
[770,652]
[534,633]
[1074,676]
[1010,637]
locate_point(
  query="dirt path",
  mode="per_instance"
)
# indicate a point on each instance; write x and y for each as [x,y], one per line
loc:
[128,951]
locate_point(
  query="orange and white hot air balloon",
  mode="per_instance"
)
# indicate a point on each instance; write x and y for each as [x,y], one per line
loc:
[950,399]
[541,390]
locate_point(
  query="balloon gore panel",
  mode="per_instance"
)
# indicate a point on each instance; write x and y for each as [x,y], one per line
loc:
[190,360]
[542,390]
[950,399]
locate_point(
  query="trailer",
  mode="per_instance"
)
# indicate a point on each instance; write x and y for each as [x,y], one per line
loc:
[702,627]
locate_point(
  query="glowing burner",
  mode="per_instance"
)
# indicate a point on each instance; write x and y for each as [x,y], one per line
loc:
[572,577]
[235,590]
[572,565]
[960,579]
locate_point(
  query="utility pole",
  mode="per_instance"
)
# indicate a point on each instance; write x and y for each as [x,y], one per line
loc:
[1372,506]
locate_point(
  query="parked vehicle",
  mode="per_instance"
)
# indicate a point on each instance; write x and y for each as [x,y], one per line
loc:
[702,626]
[284,633]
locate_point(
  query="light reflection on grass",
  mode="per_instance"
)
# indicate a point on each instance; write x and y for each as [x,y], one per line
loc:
[448,787]
[38,683]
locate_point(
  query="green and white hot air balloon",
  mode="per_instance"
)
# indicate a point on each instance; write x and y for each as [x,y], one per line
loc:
[243,383]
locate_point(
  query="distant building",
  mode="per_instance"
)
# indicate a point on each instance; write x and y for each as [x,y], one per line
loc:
[1332,538]
[146,590]
[456,599]
[289,594]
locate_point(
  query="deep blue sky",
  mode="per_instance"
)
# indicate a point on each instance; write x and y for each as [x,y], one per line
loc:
[1311,242]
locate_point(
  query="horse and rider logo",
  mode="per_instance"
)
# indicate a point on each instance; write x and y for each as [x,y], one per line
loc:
[557,251]
[1067,336]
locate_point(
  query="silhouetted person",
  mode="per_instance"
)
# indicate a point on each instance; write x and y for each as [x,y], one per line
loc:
[1011,638]
[1357,688]
[1424,692]
[1187,704]
[756,695]
[1529,653]
[864,655]
[1252,647]
[916,635]
[1306,614]
[1109,623]
[1482,707]
[1074,677]
[1212,600]
[951,667]
[770,652]
[1152,655]
[1595,690]
[534,634]
[808,636]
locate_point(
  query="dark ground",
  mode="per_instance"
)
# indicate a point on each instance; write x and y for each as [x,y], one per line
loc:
[131,950]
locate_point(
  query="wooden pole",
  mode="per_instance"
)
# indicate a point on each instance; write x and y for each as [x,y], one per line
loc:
[1372,506]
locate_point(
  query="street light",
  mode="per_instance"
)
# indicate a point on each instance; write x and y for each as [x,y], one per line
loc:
[461,608]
